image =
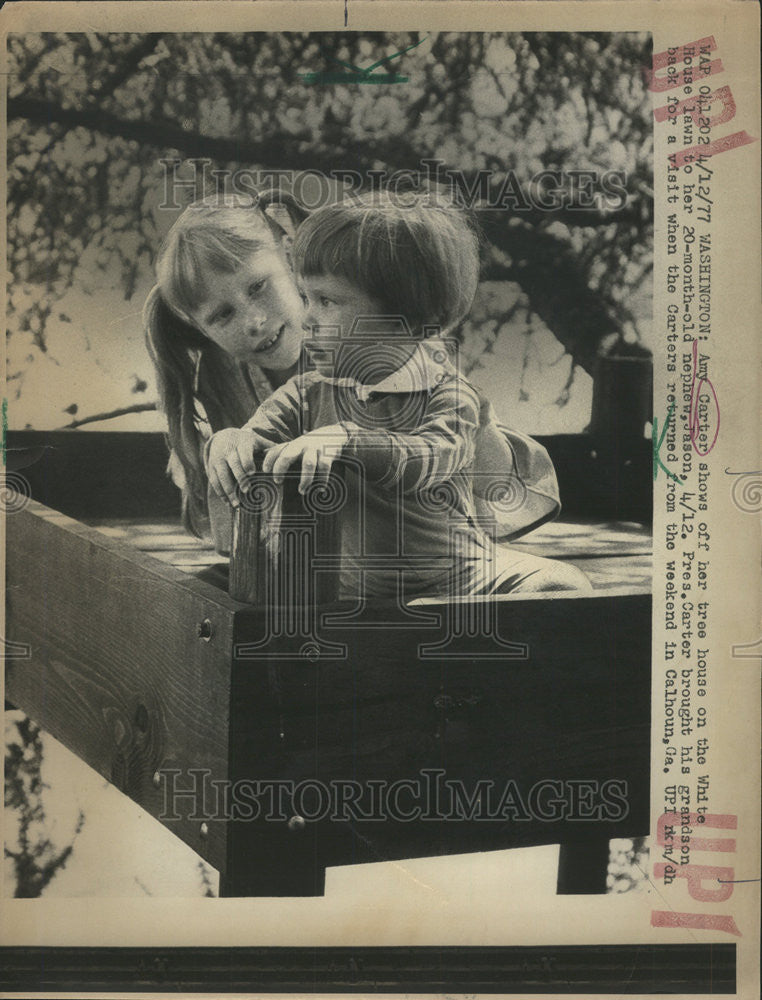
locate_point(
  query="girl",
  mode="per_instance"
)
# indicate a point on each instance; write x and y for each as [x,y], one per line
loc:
[412,432]
[223,328]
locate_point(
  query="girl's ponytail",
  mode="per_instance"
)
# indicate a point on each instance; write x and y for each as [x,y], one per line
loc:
[170,342]
[283,211]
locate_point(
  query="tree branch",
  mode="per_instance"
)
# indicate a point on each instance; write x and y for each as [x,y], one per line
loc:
[134,58]
[556,285]
[96,417]
[166,134]
[280,150]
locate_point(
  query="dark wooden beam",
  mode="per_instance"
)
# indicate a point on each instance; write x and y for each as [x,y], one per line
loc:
[129,663]
[405,698]
[98,474]
[583,867]
[95,474]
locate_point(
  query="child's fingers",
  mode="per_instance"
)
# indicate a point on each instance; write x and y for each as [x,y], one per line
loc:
[213,462]
[245,453]
[215,484]
[240,475]
[283,462]
[278,460]
[226,481]
[323,472]
[248,446]
[214,479]
[270,455]
[310,462]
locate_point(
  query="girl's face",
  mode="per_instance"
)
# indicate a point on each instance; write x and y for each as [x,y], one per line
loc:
[255,313]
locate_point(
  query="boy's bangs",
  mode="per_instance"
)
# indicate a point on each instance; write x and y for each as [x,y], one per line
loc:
[417,260]
[330,246]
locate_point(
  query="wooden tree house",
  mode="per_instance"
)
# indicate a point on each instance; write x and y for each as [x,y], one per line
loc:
[125,642]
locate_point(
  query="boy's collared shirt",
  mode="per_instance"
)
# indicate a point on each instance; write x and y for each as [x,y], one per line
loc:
[407,460]
[421,511]
[514,482]
[435,465]
[426,368]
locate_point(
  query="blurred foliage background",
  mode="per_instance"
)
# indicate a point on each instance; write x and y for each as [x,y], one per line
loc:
[90,116]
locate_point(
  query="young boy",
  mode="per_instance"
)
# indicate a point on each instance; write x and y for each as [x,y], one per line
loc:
[381,282]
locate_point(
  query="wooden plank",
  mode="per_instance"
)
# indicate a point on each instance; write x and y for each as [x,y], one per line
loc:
[118,672]
[614,555]
[576,709]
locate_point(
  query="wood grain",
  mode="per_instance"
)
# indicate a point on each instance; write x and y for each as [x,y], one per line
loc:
[576,709]
[118,672]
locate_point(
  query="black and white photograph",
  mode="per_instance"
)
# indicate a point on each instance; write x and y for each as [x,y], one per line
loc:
[337,400]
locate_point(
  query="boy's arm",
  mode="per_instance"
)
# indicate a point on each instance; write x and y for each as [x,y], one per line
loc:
[441,445]
[280,417]
[229,455]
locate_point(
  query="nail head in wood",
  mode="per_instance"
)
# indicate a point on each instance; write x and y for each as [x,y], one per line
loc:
[205,630]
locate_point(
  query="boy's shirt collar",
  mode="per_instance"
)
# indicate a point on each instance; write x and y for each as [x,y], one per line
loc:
[424,370]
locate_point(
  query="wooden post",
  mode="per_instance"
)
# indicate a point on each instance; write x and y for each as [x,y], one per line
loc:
[280,539]
[248,557]
[583,867]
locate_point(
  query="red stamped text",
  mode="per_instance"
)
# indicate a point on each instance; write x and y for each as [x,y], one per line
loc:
[705,883]
[700,98]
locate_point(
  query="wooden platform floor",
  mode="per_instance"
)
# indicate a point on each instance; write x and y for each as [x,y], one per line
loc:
[613,554]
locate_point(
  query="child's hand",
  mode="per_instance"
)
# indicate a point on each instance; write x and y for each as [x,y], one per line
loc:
[317,450]
[230,461]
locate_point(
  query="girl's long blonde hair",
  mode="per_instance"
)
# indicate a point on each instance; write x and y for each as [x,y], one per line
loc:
[214,234]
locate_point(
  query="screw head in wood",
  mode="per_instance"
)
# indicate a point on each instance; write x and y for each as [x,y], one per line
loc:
[296,823]
[310,651]
[205,630]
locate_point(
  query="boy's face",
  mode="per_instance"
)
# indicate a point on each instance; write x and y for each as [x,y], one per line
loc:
[332,307]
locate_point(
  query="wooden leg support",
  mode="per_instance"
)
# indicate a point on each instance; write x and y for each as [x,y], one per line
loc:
[274,861]
[582,868]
